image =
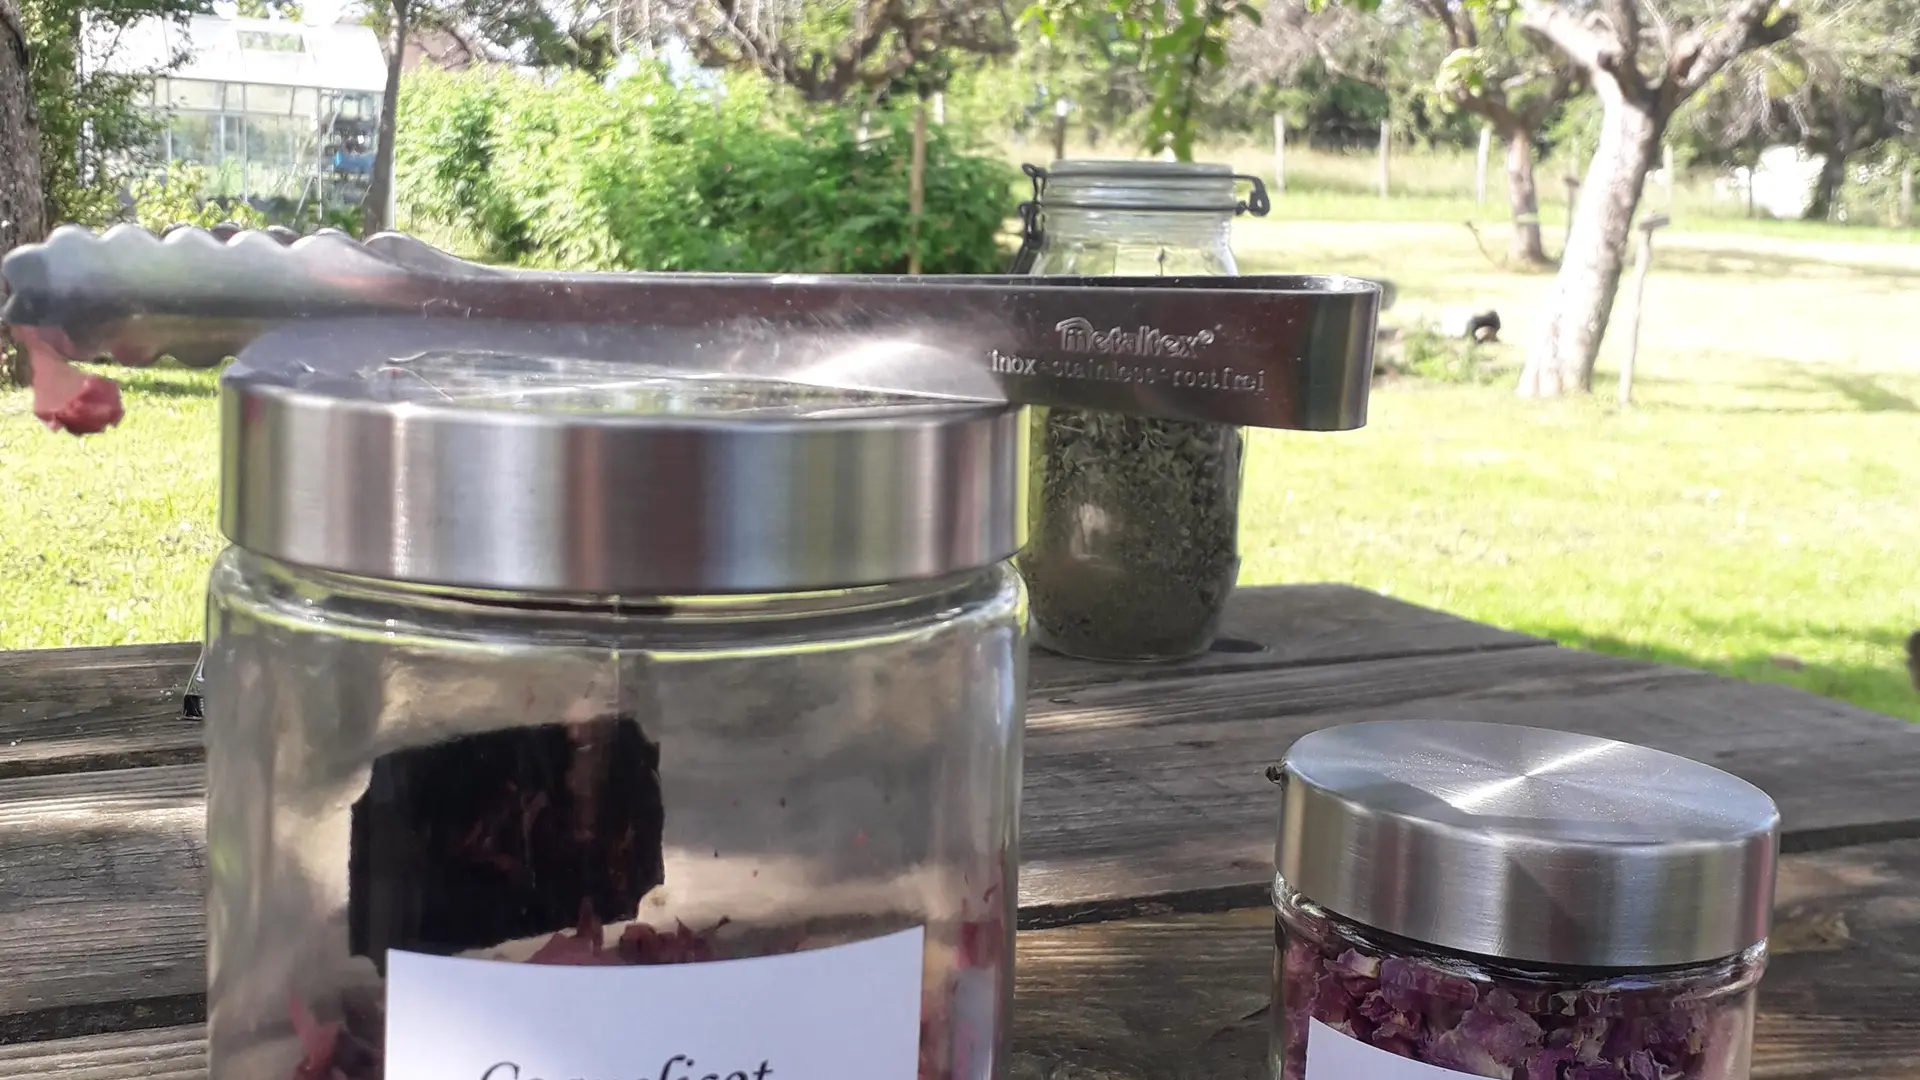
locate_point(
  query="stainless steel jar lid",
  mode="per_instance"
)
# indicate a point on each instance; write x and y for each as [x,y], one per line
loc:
[1529,845]
[531,459]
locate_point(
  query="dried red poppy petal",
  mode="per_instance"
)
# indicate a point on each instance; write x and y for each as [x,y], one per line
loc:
[84,407]
[945,1052]
[318,1042]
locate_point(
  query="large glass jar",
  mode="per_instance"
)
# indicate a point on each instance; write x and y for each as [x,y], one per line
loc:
[1134,521]
[1482,900]
[522,667]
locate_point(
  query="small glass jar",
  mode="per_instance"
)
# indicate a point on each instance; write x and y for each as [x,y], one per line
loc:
[522,666]
[1134,521]
[1484,900]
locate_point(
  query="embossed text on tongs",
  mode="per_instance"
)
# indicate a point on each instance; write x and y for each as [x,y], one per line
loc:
[1279,351]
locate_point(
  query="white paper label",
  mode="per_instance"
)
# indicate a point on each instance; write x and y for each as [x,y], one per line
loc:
[849,1012]
[1332,1055]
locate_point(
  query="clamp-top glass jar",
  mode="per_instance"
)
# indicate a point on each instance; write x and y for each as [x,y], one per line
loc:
[521,665]
[1484,900]
[1134,522]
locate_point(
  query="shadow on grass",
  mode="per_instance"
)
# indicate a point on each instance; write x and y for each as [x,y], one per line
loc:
[1887,690]
[168,382]
[1864,391]
[1857,393]
[1681,260]
[172,389]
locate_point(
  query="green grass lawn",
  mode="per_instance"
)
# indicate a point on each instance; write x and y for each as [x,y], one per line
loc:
[1756,514]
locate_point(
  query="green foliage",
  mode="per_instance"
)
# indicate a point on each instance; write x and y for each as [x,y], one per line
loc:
[1845,82]
[94,135]
[1428,354]
[1175,44]
[177,197]
[647,175]
[266,9]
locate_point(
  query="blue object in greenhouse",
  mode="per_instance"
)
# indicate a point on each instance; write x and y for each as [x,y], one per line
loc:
[353,163]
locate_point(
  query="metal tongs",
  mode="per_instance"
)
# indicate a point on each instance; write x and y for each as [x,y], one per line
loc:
[1277,351]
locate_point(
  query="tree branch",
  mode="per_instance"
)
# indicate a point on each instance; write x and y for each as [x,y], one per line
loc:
[1699,55]
[1494,110]
[915,32]
[1339,69]
[1442,12]
[1566,81]
[1624,17]
[1580,41]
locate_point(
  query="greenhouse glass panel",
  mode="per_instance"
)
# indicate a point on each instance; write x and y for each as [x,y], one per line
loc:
[196,94]
[277,146]
[194,139]
[269,100]
[269,41]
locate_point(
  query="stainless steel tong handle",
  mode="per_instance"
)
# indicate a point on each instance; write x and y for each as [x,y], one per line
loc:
[1283,351]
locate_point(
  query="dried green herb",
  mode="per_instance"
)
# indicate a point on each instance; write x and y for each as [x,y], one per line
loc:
[1133,542]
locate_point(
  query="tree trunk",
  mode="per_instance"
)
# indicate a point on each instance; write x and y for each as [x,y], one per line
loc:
[1561,360]
[1826,191]
[1525,247]
[380,191]
[23,217]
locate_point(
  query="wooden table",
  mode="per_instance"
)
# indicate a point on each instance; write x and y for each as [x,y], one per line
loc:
[1148,839]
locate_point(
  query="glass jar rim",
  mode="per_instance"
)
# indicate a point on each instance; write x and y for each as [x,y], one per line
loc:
[1145,187]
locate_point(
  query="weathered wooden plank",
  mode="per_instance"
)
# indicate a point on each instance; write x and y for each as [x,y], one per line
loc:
[168,1053]
[72,710]
[1142,794]
[19,665]
[1142,789]
[1183,997]
[1292,625]
[66,710]
[102,877]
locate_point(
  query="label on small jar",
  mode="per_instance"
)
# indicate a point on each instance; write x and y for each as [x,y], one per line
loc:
[851,1012]
[1333,1055]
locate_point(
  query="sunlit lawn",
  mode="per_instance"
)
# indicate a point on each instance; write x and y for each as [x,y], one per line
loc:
[1755,514]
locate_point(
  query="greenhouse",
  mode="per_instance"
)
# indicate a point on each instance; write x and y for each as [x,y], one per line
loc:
[276,112]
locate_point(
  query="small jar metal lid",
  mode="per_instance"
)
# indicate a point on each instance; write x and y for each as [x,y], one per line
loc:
[533,460]
[1528,845]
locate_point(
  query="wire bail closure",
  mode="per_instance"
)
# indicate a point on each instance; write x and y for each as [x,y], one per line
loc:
[1033,234]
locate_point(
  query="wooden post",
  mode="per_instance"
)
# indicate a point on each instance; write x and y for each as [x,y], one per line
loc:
[917,185]
[1480,164]
[1279,154]
[1386,130]
[1060,129]
[1645,263]
[1906,195]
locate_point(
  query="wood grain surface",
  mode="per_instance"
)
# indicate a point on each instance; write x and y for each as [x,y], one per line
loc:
[1147,838]
[72,710]
[1184,997]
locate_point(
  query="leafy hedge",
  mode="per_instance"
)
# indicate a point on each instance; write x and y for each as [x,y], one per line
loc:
[647,175]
